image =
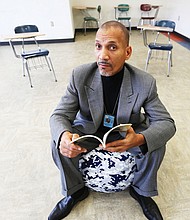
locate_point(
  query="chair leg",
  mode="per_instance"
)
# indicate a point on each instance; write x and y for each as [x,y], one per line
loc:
[97,24]
[129,22]
[85,27]
[27,69]
[23,67]
[169,63]
[141,22]
[50,65]
[171,58]
[148,58]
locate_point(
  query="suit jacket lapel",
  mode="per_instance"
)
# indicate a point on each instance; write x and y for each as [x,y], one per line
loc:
[127,99]
[94,93]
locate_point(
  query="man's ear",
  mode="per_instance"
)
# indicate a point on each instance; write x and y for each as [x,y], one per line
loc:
[128,52]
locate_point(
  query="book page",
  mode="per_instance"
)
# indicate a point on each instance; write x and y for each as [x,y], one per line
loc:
[119,128]
[82,138]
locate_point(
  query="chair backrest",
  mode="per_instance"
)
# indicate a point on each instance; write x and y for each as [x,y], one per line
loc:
[99,8]
[123,7]
[165,23]
[145,7]
[26,29]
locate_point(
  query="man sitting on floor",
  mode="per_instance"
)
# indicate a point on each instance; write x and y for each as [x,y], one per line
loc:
[99,96]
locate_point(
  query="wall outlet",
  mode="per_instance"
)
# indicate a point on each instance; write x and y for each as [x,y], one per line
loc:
[52,23]
[178,18]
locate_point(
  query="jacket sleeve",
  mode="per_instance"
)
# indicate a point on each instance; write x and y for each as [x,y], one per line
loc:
[161,125]
[62,117]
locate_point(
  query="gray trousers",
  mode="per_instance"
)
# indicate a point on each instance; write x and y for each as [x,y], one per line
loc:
[145,176]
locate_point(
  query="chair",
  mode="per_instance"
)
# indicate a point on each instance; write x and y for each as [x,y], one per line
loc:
[37,58]
[164,47]
[149,14]
[121,14]
[90,19]
[145,11]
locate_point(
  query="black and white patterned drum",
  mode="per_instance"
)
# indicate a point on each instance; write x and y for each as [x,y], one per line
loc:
[108,172]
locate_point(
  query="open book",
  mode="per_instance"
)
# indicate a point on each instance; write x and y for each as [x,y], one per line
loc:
[118,128]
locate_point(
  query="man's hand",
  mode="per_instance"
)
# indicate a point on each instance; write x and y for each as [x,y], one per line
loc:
[67,149]
[131,140]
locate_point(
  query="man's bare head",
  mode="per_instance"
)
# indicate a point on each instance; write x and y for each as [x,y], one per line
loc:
[117,26]
[112,47]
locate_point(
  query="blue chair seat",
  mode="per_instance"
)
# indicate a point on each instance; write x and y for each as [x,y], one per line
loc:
[159,46]
[90,19]
[35,53]
[124,18]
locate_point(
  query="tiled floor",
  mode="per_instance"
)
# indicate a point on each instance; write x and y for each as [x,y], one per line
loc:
[29,180]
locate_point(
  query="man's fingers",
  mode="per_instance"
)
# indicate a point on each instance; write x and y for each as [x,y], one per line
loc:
[75,136]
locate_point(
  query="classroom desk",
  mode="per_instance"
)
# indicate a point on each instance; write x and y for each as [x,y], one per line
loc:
[84,10]
[150,19]
[148,27]
[22,36]
[154,28]
[84,7]
[157,46]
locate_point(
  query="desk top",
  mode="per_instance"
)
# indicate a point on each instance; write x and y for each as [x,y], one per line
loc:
[84,7]
[154,28]
[156,6]
[24,35]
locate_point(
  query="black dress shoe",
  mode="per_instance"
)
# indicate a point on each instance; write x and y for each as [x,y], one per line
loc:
[148,205]
[64,206]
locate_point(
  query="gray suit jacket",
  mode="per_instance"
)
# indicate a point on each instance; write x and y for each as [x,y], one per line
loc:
[82,106]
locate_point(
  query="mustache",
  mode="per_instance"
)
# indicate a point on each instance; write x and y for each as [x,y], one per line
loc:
[104,62]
